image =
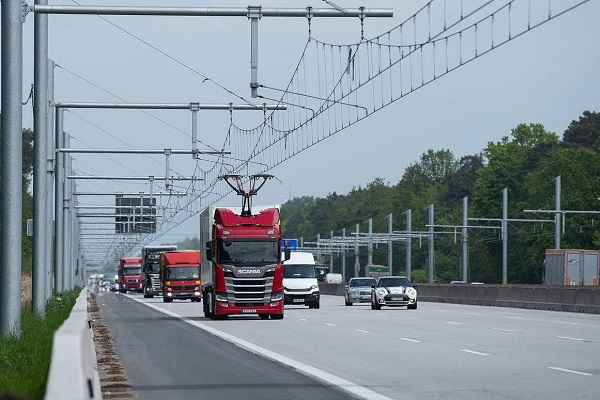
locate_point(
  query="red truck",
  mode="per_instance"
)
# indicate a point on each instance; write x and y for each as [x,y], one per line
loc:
[243,271]
[180,275]
[130,274]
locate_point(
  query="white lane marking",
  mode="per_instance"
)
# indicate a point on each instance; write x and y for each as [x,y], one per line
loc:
[410,340]
[362,331]
[505,330]
[302,319]
[454,323]
[478,353]
[327,378]
[330,324]
[571,338]
[570,371]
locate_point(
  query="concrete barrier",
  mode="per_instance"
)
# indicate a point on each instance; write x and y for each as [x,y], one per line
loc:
[583,299]
[73,372]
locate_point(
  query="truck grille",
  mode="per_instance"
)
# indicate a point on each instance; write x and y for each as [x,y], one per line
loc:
[155,282]
[249,290]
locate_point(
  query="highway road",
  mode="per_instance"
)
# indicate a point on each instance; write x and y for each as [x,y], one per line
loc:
[439,351]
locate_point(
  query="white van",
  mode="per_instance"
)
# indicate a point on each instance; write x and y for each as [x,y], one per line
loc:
[300,280]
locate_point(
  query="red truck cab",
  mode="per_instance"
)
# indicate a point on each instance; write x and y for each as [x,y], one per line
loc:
[130,274]
[180,275]
[245,271]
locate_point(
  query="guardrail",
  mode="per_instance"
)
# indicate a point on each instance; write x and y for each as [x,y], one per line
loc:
[581,299]
[73,372]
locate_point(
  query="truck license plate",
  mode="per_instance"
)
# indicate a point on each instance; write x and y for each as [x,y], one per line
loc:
[249,310]
[298,300]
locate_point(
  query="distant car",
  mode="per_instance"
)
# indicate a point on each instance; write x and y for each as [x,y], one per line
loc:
[394,291]
[358,290]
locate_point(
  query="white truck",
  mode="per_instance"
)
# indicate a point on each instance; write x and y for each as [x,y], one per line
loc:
[300,284]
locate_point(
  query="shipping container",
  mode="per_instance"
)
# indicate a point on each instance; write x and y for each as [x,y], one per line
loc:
[569,267]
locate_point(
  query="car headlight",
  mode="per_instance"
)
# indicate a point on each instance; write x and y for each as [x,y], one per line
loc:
[411,293]
[381,292]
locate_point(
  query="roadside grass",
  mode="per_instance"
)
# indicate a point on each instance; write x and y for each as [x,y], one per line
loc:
[24,362]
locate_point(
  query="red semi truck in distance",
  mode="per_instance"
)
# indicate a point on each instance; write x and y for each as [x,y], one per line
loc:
[242,270]
[180,275]
[130,274]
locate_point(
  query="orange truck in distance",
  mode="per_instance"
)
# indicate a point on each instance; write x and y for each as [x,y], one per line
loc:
[180,275]
[130,274]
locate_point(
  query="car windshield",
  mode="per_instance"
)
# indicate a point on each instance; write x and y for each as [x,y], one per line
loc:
[133,271]
[362,282]
[248,252]
[299,271]
[393,282]
[182,273]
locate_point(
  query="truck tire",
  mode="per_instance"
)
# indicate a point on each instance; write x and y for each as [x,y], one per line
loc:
[317,305]
[208,306]
[374,304]
[263,316]
[276,316]
[348,303]
[412,306]
[167,300]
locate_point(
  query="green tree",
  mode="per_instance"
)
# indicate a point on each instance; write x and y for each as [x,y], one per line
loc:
[585,132]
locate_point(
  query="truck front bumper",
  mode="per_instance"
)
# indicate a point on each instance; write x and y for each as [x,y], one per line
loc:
[224,308]
[182,294]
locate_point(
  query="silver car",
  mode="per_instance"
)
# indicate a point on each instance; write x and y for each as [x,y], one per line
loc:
[394,291]
[358,290]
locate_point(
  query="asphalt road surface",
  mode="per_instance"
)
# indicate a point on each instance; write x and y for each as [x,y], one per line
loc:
[440,351]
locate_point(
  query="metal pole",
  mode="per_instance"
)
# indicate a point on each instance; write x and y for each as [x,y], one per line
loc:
[465,241]
[66,219]
[194,107]
[40,124]
[213,11]
[50,183]
[168,184]
[390,249]
[344,257]
[370,248]
[409,243]
[254,14]
[356,253]
[331,255]
[431,215]
[319,247]
[59,177]
[557,216]
[504,236]
[11,129]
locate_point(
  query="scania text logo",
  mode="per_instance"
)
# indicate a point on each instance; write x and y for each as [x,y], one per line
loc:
[249,271]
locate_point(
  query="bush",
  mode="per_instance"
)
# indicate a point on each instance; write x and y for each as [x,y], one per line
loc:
[24,362]
[419,276]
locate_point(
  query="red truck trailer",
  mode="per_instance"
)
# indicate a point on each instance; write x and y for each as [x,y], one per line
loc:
[242,270]
[130,274]
[180,275]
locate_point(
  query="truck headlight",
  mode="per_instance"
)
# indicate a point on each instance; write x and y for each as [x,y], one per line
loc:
[381,292]
[277,296]
[221,298]
[314,287]
[411,293]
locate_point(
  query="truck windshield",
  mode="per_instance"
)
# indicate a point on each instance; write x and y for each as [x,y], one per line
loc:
[182,273]
[362,282]
[248,252]
[299,271]
[133,271]
[152,263]
[393,282]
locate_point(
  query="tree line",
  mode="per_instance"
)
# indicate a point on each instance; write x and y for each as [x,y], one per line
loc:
[525,161]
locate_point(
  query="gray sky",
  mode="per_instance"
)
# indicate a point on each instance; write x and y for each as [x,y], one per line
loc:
[550,76]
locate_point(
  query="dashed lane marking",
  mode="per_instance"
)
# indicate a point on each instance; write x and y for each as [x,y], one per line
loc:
[571,338]
[362,331]
[570,371]
[410,340]
[477,353]
[330,324]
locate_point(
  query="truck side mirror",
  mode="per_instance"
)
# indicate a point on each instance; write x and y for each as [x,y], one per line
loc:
[287,254]
[209,251]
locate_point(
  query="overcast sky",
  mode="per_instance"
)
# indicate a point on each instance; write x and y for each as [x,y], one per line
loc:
[549,76]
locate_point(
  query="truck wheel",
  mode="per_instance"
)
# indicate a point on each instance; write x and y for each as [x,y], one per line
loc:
[412,306]
[167,300]
[317,305]
[276,316]
[208,306]
[263,316]
[348,303]
[374,304]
